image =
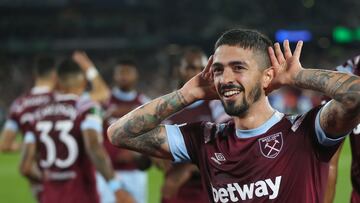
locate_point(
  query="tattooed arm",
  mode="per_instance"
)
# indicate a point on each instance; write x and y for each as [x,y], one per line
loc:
[140,130]
[342,113]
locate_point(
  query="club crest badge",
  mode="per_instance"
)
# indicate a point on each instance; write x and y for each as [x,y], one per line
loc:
[271,146]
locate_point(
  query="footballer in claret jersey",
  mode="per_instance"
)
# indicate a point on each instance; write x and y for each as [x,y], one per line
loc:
[260,155]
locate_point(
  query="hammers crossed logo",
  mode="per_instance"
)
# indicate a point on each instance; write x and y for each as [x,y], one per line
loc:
[271,146]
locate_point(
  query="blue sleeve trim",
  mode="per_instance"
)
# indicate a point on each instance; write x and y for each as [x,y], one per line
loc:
[115,185]
[92,122]
[29,138]
[322,137]
[11,125]
[177,144]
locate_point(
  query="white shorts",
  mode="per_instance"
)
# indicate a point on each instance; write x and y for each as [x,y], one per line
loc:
[105,193]
[134,182]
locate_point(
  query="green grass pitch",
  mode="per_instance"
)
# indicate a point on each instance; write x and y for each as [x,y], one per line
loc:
[14,188]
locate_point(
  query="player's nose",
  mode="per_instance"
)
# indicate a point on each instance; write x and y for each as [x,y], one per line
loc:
[228,76]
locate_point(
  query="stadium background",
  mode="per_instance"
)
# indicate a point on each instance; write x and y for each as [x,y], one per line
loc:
[154,33]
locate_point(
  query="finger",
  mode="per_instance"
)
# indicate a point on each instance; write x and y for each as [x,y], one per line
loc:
[298,48]
[208,66]
[207,76]
[287,49]
[278,52]
[273,59]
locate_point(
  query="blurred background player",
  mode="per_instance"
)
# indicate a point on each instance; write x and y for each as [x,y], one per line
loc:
[99,90]
[124,98]
[182,182]
[350,66]
[66,143]
[45,81]
[22,109]
[20,114]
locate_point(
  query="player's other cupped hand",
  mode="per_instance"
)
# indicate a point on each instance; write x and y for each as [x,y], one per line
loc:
[201,86]
[286,65]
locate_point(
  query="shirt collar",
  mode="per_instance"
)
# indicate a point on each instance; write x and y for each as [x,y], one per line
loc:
[122,95]
[275,118]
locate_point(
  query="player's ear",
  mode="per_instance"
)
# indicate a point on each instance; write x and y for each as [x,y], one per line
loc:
[268,75]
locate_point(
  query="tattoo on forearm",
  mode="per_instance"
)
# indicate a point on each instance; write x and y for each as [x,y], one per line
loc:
[140,129]
[342,87]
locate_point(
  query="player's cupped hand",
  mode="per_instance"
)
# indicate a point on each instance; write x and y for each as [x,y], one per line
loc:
[286,64]
[201,86]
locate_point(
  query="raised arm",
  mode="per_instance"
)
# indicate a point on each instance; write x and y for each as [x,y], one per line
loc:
[140,130]
[100,91]
[342,113]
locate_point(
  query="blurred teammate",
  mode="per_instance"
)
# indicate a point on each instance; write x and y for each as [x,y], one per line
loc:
[21,112]
[182,181]
[125,98]
[351,66]
[261,155]
[66,143]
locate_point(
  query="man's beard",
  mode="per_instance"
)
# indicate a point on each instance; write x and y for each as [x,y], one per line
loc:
[232,109]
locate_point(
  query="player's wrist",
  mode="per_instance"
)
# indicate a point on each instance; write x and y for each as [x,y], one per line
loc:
[115,184]
[91,73]
[296,77]
[187,96]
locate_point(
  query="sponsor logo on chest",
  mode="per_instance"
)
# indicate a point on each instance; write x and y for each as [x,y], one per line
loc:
[271,145]
[233,192]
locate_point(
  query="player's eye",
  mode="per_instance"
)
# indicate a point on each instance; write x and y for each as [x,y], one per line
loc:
[217,70]
[238,67]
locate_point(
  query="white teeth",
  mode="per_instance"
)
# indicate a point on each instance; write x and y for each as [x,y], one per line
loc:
[231,93]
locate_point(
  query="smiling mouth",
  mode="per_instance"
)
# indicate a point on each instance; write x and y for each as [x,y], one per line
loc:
[227,93]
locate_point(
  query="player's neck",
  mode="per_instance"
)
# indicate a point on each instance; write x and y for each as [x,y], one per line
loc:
[44,83]
[125,90]
[258,113]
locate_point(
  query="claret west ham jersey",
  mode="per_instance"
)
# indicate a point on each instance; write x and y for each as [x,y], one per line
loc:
[284,164]
[21,110]
[192,190]
[69,175]
[118,105]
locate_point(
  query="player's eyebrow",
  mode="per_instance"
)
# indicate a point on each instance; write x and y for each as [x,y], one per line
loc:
[243,63]
[231,63]
[216,65]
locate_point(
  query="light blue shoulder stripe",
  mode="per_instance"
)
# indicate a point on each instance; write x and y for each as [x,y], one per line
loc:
[177,144]
[322,137]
